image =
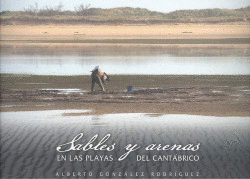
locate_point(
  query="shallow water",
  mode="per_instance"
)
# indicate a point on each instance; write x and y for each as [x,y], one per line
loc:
[152,65]
[30,140]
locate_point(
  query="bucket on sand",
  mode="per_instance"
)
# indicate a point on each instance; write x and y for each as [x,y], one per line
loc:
[130,88]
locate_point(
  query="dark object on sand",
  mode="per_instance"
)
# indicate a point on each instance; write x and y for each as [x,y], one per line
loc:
[99,77]
[130,88]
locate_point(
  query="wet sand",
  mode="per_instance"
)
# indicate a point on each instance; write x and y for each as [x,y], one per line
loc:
[197,95]
[29,140]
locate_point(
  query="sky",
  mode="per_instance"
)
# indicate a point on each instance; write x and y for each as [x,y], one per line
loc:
[154,5]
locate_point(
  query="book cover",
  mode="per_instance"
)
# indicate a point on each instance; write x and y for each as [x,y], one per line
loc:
[128,90]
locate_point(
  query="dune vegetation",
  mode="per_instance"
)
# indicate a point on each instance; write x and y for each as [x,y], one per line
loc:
[84,14]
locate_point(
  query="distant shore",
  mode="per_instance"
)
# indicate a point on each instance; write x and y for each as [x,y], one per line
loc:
[107,33]
[234,39]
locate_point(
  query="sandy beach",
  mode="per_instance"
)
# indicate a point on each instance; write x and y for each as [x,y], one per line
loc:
[39,113]
[98,32]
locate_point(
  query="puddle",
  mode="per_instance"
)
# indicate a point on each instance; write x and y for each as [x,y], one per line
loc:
[216,91]
[37,105]
[10,106]
[62,91]
[35,83]
[245,90]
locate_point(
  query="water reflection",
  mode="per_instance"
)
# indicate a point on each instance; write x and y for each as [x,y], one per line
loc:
[152,65]
[211,50]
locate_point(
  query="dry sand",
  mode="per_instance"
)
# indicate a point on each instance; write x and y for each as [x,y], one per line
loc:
[74,38]
[83,32]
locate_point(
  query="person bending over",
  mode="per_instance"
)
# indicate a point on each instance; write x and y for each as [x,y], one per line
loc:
[98,77]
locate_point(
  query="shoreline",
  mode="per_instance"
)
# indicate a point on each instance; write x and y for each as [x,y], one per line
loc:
[124,49]
[220,41]
[200,109]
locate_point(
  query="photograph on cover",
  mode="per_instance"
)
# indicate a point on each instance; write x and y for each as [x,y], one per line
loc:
[125,89]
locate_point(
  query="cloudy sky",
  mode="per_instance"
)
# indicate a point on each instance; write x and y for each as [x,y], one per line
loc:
[155,5]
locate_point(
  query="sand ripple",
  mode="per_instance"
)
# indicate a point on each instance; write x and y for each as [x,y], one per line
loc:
[29,141]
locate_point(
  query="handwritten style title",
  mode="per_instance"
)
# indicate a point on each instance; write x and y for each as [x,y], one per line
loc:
[101,146]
